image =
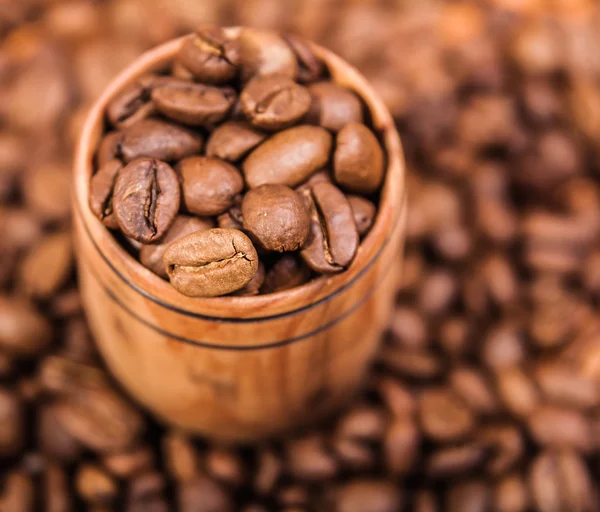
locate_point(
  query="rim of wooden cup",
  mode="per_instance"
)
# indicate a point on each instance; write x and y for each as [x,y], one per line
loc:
[315,292]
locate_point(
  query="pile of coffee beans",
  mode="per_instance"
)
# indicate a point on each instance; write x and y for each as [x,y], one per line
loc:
[244,148]
[485,395]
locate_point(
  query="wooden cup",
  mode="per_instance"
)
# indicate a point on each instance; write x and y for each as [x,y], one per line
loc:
[239,368]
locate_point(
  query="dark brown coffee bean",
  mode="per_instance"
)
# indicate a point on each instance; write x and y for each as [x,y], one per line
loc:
[333,239]
[307,459]
[47,266]
[146,486]
[94,485]
[152,138]
[401,445]
[210,55]
[333,107]
[557,427]
[511,494]
[471,496]
[24,332]
[232,140]
[109,149]
[211,263]
[101,192]
[132,104]
[203,495]
[289,157]
[231,219]
[127,465]
[276,218]
[209,185]
[151,255]
[181,458]
[54,439]
[443,416]
[192,104]
[12,424]
[287,272]
[367,496]
[310,67]
[364,213]
[274,102]
[265,53]
[254,285]
[358,161]
[146,199]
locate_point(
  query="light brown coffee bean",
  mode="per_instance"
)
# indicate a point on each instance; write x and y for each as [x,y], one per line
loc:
[333,239]
[443,416]
[472,386]
[254,285]
[401,445]
[456,460]
[506,444]
[264,53]
[287,272]
[307,459]
[209,185]
[232,140]
[367,496]
[181,457]
[24,332]
[126,465]
[274,102]
[12,424]
[47,191]
[354,454]
[333,107]
[211,263]
[231,219]
[54,439]
[561,427]
[511,494]
[276,218]
[470,496]
[19,492]
[192,104]
[151,255]
[57,496]
[269,468]
[363,423]
[310,67]
[94,485]
[20,228]
[411,363]
[132,104]
[288,157]
[210,55]
[358,161]
[146,199]
[364,213]
[152,138]
[47,266]
[147,486]
[517,391]
[566,386]
[225,465]
[204,495]
[102,187]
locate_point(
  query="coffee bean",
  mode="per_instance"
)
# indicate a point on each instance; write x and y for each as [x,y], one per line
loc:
[94,485]
[364,213]
[274,102]
[310,67]
[333,107]
[254,285]
[473,388]
[269,468]
[211,263]
[54,439]
[473,496]
[362,422]
[443,416]
[180,457]
[56,489]
[203,495]
[109,149]
[265,53]
[192,104]
[307,459]
[231,219]
[358,161]
[333,239]
[102,187]
[401,445]
[47,191]
[225,466]
[12,422]
[288,157]
[354,454]
[367,496]
[132,104]
[210,56]
[411,363]
[19,494]
[511,494]
[129,464]
[152,138]
[456,459]
[146,199]
[565,386]
[287,272]
[151,255]
[24,332]
[275,217]
[555,427]
[517,391]
[209,185]
[232,140]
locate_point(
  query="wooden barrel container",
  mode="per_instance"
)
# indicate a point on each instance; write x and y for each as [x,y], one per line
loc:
[239,368]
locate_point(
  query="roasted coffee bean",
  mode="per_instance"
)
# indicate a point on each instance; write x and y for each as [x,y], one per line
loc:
[307,459]
[364,213]
[56,490]
[190,103]
[152,138]
[265,53]
[333,239]
[131,463]
[358,161]
[276,218]
[310,67]
[401,445]
[232,140]
[511,494]
[367,496]
[19,492]
[132,104]
[94,485]
[204,495]
[287,272]
[151,255]
[556,427]
[473,388]
[231,219]
[471,496]
[456,460]
[209,185]
[146,199]
[24,332]
[12,424]
[333,107]
[54,439]
[211,263]
[288,157]
[211,56]
[254,285]
[443,416]
[274,102]
[269,467]
[47,191]
[226,466]
[109,149]
[102,187]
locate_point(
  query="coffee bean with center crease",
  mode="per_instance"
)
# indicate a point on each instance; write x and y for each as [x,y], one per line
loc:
[190,103]
[274,102]
[211,263]
[333,239]
[210,55]
[333,106]
[233,140]
[275,217]
[152,138]
[146,199]
[287,272]
[358,159]
[132,104]
[264,53]
[151,255]
[310,67]
[101,192]
[288,157]
[209,185]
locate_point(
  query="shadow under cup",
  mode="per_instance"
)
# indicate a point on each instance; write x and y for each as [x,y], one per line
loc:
[239,368]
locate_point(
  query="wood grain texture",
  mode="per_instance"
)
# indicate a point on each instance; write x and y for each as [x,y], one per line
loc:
[239,368]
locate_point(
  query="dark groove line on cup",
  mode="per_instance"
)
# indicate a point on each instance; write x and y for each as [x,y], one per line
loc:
[274,344]
[258,319]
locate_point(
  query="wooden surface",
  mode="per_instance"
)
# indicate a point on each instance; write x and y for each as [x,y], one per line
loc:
[239,368]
